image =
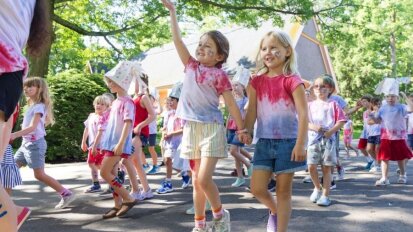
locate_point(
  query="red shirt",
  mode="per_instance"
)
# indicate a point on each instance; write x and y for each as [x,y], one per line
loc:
[141,114]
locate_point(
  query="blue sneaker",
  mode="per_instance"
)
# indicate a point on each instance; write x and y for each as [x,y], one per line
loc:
[368,166]
[94,188]
[154,170]
[121,176]
[146,167]
[185,181]
[166,187]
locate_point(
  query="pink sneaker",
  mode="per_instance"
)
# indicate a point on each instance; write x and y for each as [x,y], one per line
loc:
[23,216]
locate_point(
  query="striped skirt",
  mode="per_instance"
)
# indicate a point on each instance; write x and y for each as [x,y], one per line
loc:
[9,172]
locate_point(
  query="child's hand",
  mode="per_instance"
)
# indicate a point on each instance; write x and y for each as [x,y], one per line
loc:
[12,136]
[118,149]
[245,138]
[94,150]
[84,146]
[169,5]
[299,154]
[137,129]
[328,134]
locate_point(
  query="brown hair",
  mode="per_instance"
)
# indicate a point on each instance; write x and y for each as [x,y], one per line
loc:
[222,45]
[40,28]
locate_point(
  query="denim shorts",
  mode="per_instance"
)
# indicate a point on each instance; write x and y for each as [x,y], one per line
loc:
[232,138]
[374,139]
[275,155]
[31,153]
[410,141]
[152,140]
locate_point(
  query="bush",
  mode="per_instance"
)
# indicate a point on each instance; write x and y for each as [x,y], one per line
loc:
[73,95]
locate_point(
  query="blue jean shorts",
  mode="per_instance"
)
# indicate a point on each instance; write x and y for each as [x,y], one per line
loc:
[275,155]
[232,138]
[31,154]
[410,140]
[374,139]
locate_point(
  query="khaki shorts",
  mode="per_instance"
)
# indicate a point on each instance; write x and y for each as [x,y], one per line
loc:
[203,140]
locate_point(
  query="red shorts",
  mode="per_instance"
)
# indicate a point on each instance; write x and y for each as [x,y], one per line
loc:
[111,153]
[95,159]
[362,144]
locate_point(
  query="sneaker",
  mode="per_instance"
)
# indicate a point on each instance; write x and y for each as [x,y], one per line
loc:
[161,164]
[223,224]
[307,179]
[374,169]
[146,195]
[65,201]
[272,185]
[402,179]
[333,185]
[23,215]
[340,173]
[121,176]
[166,187]
[315,196]
[382,182]
[238,182]
[196,229]
[137,195]
[191,211]
[369,164]
[324,201]
[146,167]
[186,180]
[109,190]
[398,171]
[94,188]
[154,170]
[272,223]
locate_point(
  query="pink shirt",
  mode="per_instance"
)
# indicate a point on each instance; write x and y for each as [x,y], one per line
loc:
[200,93]
[173,123]
[122,109]
[276,113]
[393,121]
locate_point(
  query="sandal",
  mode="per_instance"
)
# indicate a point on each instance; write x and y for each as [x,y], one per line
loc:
[126,206]
[111,213]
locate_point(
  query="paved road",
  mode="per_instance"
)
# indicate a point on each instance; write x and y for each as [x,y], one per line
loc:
[357,204]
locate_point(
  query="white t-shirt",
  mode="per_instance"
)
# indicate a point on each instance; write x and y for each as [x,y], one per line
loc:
[40,131]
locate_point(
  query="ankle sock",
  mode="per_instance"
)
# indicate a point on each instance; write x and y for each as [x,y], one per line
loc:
[200,222]
[217,213]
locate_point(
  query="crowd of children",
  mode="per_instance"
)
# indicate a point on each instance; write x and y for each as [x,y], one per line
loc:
[296,126]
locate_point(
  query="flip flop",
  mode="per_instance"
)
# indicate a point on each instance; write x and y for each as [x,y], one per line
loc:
[126,206]
[111,213]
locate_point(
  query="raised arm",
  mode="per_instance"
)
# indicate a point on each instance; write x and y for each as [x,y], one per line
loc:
[176,33]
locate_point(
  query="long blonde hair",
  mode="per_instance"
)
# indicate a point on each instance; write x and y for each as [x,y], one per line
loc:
[43,96]
[290,66]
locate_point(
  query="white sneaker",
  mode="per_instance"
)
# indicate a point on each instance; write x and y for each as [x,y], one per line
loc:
[195,229]
[315,195]
[382,182]
[223,224]
[402,179]
[307,180]
[324,201]
[65,201]
[238,182]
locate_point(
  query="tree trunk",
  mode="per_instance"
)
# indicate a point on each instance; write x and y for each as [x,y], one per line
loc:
[393,50]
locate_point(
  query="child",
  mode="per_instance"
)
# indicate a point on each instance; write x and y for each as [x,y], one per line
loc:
[365,102]
[277,100]
[37,116]
[152,136]
[173,139]
[235,145]
[203,139]
[325,119]
[348,137]
[94,127]
[393,137]
[117,140]
[373,130]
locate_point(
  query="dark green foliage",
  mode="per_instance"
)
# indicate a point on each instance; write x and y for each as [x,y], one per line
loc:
[73,95]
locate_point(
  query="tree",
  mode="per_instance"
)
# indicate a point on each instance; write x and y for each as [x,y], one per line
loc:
[131,27]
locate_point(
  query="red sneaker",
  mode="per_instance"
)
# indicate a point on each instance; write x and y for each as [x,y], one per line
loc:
[23,216]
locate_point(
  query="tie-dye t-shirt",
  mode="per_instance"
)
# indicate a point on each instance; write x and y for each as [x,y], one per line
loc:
[364,133]
[40,131]
[340,101]
[201,89]
[93,124]
[276,112]
[374,129]
[173,123]
[241,105]
[122,109]
[393,125]
[324,114]
[15,20]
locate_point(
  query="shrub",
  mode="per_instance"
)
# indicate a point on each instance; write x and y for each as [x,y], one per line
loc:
[73,95]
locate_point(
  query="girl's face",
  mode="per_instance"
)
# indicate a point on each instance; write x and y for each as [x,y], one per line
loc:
[100,108]
[273,54]
[207,52]
[113,87]
[321,90]
[30,91]
[237,89]
[172,102]
[365,103]
[392,99]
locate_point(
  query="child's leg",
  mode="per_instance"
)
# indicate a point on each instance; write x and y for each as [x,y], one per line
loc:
[346,147]
[235,152]
[312,169]
[136,158]
[384,169]
[284,189]
[326,180]
[168,164]
[9,191]
[40,175]
[120,193]
[8,214]
[130,169]
[198,194]
[208,186]
[259,184]
[371,150]
[402,167]
[245,153]
[94,172]
[154,155]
